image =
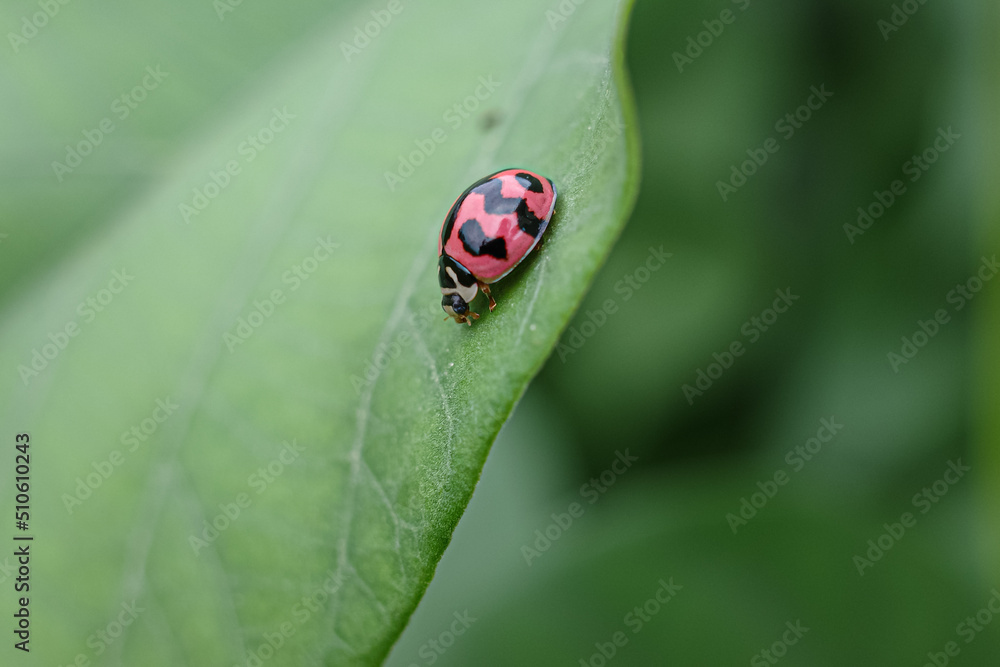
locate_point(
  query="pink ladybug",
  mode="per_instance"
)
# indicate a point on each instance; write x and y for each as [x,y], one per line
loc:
[490,228]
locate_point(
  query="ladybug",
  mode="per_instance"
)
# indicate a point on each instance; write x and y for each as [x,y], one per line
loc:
[490,228]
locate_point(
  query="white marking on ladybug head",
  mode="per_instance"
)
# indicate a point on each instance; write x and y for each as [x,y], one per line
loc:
[467,293]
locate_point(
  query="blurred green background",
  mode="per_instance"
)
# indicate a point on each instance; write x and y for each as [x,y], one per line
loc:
[618,388]
[827,356]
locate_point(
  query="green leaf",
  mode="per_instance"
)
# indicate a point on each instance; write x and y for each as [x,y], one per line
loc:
[80,69]
[252,432]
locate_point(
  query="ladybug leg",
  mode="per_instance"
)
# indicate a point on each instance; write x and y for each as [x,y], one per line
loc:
[486,291]
[467,319]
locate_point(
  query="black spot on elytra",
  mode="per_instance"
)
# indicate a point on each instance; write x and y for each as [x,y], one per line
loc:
[478,244]
[494,202]
[530,182]
[527,221]
[449,221]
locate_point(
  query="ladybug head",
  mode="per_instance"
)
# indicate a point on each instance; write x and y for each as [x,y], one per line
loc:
[457,308]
